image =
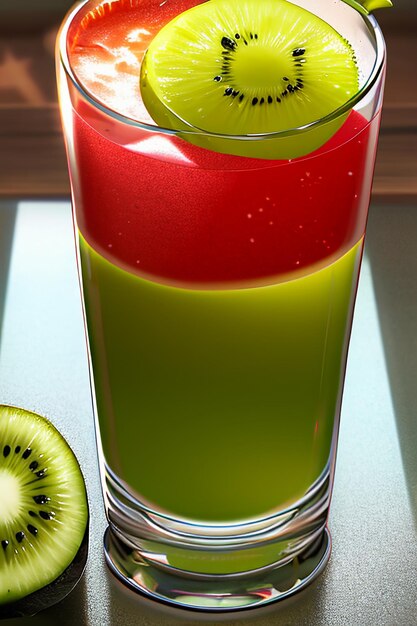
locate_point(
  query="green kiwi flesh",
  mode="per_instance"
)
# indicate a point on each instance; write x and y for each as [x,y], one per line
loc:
[249,67]
[44,513]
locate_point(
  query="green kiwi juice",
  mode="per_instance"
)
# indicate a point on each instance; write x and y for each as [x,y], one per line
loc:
[217,405]
[218,294]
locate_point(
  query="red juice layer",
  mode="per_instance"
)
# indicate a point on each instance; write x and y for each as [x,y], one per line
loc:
[172,222]
[177,213]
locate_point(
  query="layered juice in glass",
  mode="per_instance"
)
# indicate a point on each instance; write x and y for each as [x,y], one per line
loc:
[218,294]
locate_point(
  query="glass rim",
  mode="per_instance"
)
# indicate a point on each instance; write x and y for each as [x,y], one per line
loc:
[375,73]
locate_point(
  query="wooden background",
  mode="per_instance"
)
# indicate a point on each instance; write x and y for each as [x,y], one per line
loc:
[32,158]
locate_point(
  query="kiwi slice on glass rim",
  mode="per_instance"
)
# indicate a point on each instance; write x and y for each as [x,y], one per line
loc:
[43,514]
[249,67]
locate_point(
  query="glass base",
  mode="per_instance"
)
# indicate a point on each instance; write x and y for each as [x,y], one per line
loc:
[216,593]
[217,567]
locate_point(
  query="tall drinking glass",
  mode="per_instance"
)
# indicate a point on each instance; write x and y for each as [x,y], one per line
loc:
[218,293]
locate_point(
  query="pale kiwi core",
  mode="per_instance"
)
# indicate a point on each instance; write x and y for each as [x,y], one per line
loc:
[252,68]
[10,496]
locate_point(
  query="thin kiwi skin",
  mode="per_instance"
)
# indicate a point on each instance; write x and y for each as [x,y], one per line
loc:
[53,593]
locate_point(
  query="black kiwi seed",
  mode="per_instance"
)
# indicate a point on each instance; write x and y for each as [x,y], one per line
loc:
[228,91]
[6,451]
[33,465]
[41,473]
[228,44]
[270,100]
[298,52]
[41,499]
[285,78]
[26,453]
[4,544]
[45,515]
[237,36]
[17,449]
[20,536]
[254,101]
[217,79]
[32,529]
[32,513]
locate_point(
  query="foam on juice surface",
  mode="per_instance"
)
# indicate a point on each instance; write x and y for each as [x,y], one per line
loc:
[106,46]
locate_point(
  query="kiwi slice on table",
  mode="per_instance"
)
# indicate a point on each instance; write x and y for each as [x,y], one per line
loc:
[43,514]
[249,67]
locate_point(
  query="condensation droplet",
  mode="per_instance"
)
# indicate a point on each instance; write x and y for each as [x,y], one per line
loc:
[350,173]
[252,240]
[110,245]
[249,216]
[260,210]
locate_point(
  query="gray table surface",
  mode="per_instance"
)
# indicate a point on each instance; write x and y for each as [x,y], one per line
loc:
[371,577]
